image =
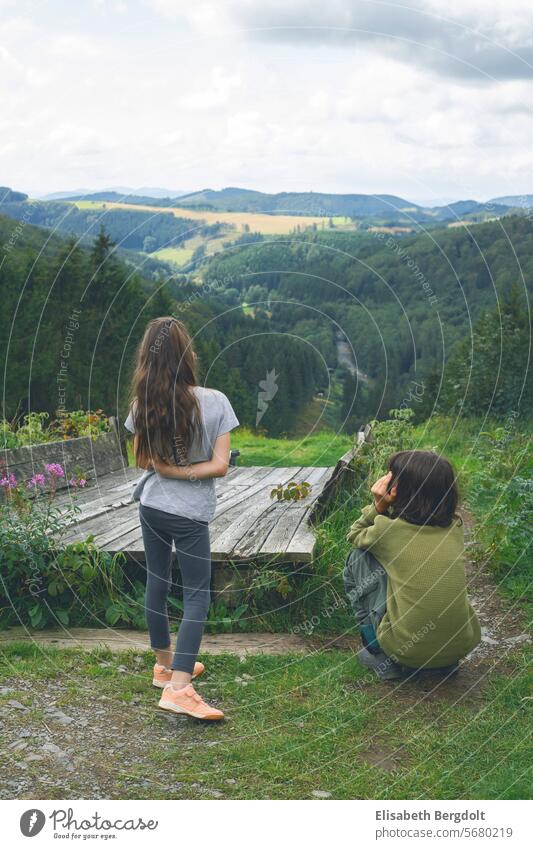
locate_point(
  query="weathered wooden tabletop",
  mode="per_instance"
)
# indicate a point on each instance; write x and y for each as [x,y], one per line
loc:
[248,524]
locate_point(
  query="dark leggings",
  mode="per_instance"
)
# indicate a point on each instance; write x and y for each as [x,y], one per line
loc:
[191,539]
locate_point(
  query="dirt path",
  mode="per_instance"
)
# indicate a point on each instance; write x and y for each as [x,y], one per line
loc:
[243,644]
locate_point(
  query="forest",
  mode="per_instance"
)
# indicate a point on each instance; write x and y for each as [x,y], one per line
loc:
[447,310]
[438,322]
[77,313]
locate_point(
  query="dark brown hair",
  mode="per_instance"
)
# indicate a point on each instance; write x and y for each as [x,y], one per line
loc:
[166,410]
[427,488]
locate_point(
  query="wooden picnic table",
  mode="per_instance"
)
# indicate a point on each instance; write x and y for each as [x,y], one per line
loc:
[248,524]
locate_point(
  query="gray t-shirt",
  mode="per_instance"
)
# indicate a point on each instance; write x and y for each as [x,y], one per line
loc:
[195,499]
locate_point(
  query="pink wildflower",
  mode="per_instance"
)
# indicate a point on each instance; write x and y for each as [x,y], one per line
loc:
[54,470]
[35,481]
[77,482]
[9,482]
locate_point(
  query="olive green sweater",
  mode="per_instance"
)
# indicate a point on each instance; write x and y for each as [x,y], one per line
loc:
[429,620]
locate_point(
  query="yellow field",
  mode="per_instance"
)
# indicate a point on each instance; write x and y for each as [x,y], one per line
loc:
[257,222]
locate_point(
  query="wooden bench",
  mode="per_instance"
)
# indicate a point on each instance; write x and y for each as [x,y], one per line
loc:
[248,526]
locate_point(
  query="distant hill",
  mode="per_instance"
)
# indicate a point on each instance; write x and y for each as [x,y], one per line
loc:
[112,196]
[385,207]
[516,201]
[114,193]
[459,208]
[365,209]
[9,196]
[303,203]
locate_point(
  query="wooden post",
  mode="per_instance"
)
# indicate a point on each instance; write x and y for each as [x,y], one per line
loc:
[120,432]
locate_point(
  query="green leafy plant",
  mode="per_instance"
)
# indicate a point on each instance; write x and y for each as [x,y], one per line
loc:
[30,432]
[34,431]
[394,434]
[43,581]
[81,423]
[499,490]
[127,607]
[221,618]
[266,582]
[292,491]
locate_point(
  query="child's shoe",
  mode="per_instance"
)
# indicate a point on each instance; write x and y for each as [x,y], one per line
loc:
[384,667]
[162,675]
[189,702]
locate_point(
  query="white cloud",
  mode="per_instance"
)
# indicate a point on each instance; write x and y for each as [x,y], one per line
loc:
[193,95]
[215,93]
[466,39]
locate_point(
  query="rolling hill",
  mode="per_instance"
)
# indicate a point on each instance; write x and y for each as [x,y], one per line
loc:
[379,208]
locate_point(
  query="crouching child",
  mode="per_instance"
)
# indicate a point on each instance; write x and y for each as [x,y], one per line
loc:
[405,577]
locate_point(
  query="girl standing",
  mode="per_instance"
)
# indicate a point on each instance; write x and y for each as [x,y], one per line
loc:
[182,440]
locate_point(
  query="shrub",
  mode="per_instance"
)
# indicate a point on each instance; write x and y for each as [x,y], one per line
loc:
[34,430]
[43,581]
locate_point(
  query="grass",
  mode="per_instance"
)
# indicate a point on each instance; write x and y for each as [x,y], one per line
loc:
[453,439]
[298,724]
[494,464]
[257,222]
[316,449]
[182,256]
[178,256]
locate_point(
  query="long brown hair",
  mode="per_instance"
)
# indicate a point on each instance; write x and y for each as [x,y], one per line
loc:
[427,492]
[166,409]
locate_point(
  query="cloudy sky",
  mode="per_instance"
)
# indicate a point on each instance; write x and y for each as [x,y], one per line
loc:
[418,98]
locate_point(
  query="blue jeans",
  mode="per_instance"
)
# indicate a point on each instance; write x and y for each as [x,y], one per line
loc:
[365,582]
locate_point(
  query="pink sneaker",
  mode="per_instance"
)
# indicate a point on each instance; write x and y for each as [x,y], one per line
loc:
[189,702]
[162,675]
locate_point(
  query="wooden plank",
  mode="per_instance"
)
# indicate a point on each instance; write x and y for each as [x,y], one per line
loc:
[100,520]
[254,535]
[239,475]
[286,526]
[229,509]
[101,488]
[131,544]
[302,546]
[263,515]
[338,476]
[229,527]
[263,477]
[98,508]
[259,520]
[253,540]
[101,523]
[303,543]
[110,540]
